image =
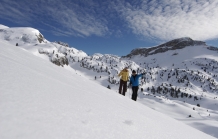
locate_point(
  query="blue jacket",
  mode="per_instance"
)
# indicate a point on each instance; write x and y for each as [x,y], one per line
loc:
[134,80]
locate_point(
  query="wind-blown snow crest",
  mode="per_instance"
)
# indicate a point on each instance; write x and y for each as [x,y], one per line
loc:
[22,35]
[3,26]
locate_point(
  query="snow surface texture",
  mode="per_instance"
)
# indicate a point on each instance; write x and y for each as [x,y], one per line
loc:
[105,68]
[41,100]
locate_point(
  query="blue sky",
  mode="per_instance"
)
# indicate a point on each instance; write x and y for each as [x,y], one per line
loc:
[115,26]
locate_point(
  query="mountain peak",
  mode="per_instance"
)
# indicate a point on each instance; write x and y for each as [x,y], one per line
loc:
[182,42]
[171,45]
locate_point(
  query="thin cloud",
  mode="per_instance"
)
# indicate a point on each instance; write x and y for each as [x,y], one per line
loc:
[167,20]
[155,19]
[70,17]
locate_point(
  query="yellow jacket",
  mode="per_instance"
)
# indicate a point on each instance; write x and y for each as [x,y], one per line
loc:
[124,75]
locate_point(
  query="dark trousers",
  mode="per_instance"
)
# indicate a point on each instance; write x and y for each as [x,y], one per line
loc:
[134,92]
[123,87]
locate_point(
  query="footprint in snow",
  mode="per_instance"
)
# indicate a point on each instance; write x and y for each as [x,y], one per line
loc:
[128,122]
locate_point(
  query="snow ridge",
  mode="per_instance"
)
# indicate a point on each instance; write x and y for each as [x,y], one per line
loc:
[171,45]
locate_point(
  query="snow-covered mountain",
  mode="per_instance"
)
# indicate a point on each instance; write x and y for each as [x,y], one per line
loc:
[193,68]
[185,76]
[179,74]
[171,45]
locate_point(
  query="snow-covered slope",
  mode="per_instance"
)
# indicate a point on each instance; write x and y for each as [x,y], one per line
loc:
[176,81]
[171,76]
[3,26]
[33,41]
[193,68]
[41,100]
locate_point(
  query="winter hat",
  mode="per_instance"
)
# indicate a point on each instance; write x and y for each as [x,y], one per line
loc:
[133,71]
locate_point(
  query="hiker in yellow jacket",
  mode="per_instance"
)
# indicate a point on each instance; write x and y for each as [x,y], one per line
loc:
[123,80]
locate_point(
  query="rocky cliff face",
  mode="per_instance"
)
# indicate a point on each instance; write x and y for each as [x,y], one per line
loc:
[171,45]
[40,38]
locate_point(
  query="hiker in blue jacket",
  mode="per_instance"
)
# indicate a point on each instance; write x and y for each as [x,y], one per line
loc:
[134,82]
